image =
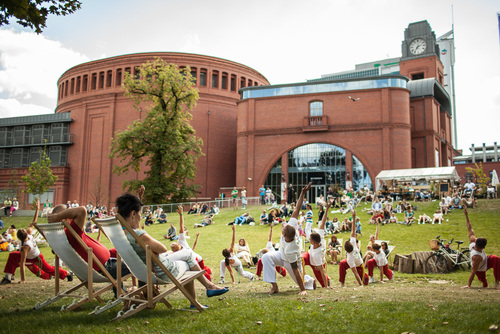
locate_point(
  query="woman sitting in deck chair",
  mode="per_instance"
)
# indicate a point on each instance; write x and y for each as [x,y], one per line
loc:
[130,207]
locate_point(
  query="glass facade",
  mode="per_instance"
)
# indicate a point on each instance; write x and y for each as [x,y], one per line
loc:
[360,176]
[323,87]
[322,164]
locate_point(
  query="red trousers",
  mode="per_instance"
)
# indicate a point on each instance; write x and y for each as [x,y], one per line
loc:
[343,266]
[33,265]
[493,262]
[208,271]
[279,270]
[317,273]
[385,269]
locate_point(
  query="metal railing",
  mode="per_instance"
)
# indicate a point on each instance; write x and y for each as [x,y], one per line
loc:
[221,203]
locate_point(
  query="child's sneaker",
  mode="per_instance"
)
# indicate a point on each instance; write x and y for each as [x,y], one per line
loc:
[372,280]
[222,281]
[69,277]
[5,280]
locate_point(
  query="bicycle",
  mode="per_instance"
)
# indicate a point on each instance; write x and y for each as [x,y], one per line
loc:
[438,261]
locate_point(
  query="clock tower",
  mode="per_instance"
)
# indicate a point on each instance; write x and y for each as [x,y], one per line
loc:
[420,41]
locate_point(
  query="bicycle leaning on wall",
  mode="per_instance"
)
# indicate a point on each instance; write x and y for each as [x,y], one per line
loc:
[438,261]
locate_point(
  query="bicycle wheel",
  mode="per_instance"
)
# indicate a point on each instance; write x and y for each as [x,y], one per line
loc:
[463,258]
[436,263]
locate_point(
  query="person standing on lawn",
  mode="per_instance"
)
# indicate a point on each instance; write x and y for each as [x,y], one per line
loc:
[480,261]
[379,260]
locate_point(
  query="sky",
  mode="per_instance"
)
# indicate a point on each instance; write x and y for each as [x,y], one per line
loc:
[287,41]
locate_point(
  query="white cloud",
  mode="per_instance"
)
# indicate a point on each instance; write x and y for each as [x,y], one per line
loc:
[30,65]
[14,108]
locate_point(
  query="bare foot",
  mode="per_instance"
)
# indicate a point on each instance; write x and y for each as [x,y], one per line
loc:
[274,289]
[303,293]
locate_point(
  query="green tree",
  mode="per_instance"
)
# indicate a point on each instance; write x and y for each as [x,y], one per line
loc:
[39,178]
[33,13]
[481,178]
[164,139]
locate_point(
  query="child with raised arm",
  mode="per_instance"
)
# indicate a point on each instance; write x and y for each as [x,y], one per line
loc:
[269,248]
[182,244]
[289,254]
[379,260]
[315,257]
[353,260]
[231,261]
[480,261]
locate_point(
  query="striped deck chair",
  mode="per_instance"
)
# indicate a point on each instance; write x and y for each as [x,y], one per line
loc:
[57,240]
[112,227]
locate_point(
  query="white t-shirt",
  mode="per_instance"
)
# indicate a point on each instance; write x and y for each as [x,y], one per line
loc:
[469,186]
[182,241]
[483,266]
[290,251]
[380,259]
[243,193]
[34,252]
[354,258]
[317,255]
[447,200]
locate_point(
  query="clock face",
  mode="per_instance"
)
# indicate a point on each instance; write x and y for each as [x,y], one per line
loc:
[417,46]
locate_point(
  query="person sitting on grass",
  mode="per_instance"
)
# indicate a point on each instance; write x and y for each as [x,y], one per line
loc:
[182,244]
[344,226]
[409,215]
[231,261]
[334,249]
[393,218]
[289,254]
[243,252]
[480,261]
[263,218]
[269,248]
[424,219]
[130,207]
[30,256]
[149,220]
[171,233]
[437,217]
[353,261]
[315,257]
[378,217]
[162,219]
[443,206]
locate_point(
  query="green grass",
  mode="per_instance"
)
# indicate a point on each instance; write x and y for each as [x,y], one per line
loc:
[413,303]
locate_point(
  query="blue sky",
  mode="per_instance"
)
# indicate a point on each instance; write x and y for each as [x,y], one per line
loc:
[287,41]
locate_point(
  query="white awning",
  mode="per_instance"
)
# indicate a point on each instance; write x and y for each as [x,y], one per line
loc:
[429,174]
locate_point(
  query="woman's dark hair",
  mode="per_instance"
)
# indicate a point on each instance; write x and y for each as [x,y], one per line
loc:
[127,203]
[22,235]
[226,261]
[226,253]
[348,246]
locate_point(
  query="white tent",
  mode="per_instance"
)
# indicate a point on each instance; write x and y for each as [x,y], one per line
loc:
[428,174]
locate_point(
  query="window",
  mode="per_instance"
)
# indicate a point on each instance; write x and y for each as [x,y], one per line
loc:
[137,73]
[85,83]
[93,83]
[4,158]
[59,133]
[5,136]
[243,82]
[21,135]
[109,77]
[72,90]
[101,80]
[119,77]
[78,84]
[19,157]
[39,133]
[66,86]
[61,91]
[203,77]
[35,153]
[436,157]
[233,82]
[48,195]
[316,109]
[58,155]
[249,83]
[194,74]
[215,79]
[224,80]
[417,76]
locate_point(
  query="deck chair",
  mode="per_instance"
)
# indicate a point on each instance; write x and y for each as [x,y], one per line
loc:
[57,240]
[112,227]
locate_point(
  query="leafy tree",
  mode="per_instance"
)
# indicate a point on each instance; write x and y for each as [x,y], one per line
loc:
[164,140]
[39,178]
[481,178]
[33,13]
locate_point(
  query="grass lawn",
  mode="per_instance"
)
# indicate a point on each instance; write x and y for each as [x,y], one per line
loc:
[420,303]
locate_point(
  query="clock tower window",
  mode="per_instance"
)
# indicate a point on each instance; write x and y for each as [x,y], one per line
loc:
[417,76]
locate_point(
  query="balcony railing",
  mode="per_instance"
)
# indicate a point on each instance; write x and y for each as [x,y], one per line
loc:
[315,123]
[61,139]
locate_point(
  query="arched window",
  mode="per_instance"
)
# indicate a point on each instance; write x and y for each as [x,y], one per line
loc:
[316,108]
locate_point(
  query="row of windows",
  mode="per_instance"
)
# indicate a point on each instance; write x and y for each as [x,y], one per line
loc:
[23,157]
[106,79]
[35,134]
